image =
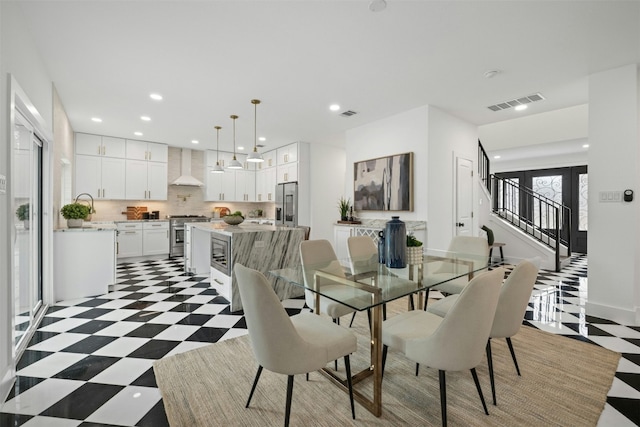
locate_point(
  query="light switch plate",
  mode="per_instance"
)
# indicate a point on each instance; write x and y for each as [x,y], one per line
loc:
[3,184]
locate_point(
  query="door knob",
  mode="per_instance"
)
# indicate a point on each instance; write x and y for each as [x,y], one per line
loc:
[459,224]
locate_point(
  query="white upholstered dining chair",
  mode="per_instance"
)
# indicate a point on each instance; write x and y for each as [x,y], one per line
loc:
[514,296]
[476,251]
[453,343]
[289,345]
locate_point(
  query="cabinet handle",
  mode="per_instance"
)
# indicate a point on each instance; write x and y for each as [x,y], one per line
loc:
[103,193]
[269,196]
[218,281]
[130,232]
[149,155]
[104,150]
[269,162]
[286,176]
[117,248]
[99,148]
[149,194]
[286,158]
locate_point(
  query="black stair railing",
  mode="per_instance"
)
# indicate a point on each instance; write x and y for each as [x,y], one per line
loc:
[483,167]
[540,217]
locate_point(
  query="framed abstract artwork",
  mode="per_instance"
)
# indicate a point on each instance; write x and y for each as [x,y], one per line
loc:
[384,184]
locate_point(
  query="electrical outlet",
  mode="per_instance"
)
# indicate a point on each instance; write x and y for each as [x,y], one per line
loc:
[3,184]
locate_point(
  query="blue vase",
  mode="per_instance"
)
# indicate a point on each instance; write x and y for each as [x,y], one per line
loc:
[395,243]
[381,247]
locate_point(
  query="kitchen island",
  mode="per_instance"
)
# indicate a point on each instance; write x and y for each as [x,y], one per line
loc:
[214,248]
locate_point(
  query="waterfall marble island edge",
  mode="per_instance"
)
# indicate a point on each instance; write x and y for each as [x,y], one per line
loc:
[214,248]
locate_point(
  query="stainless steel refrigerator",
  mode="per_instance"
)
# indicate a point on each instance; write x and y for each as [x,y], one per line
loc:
[287,204]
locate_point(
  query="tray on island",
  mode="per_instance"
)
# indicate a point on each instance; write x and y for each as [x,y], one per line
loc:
[350,222]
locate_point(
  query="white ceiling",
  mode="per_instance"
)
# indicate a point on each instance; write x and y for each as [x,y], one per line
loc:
[210,58]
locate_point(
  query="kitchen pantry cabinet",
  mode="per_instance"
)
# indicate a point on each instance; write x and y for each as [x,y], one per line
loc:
[129,239]
[270,160]
[287,154]
[102,177]
[287,173]
[96,145]
[151,151]
[146,180]
[245,185]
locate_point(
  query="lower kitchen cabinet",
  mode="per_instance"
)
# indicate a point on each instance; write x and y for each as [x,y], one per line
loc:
[155,238]
[129,239]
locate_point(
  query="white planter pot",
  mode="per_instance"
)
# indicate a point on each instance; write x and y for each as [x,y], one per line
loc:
[414,255]
[74,223]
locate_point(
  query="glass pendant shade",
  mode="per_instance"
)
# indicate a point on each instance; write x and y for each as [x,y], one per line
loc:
[234,164]
[254,156]
[217,168]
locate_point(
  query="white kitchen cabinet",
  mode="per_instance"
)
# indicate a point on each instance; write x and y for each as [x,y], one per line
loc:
[223,157]
[287,154]
[146,180]
[221,283]
[143,150]
[233,185]
[155,238]
[266,185]
[102,177]
[270,160]
[245,186]
[129,239]
[287,172]
[96,145]
[220,186]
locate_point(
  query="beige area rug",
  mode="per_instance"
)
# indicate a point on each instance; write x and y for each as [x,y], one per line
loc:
[564,382]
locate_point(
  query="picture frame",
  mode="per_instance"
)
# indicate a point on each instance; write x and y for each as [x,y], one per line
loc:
[384,183]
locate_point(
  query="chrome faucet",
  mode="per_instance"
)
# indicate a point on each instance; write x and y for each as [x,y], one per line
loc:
[91,197]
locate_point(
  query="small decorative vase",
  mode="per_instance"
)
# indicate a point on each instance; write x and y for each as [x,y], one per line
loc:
[344,218]
[395,235]
[74,223]
[414,255]
[381,247]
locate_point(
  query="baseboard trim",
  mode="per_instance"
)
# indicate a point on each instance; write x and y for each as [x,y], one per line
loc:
[617,314]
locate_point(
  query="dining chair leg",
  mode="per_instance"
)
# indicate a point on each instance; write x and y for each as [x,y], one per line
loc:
[255,383]
[289,394]
[347,365]
[385,348]
[384,311]
[443,397]
[307,376]
[475,379]
[335,362]
[513,355]
[352,317]
[490,363]
[412,304]
[417,369]
[426,298]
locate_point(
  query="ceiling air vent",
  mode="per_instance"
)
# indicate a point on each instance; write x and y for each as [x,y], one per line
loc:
[515,102]
[348,113]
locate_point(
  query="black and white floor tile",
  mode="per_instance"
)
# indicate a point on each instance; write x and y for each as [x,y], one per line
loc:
[90,361]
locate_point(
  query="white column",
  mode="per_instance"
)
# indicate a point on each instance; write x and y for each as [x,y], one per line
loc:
[614,165]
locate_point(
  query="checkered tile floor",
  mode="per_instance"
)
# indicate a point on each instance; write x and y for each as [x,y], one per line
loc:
[90,361]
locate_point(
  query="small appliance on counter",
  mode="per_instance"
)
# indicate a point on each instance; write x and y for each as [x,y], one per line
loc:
[154,215]
[220,211]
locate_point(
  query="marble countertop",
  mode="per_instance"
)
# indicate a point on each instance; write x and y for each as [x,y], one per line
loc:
[142,220]
[230,230]
[87,226]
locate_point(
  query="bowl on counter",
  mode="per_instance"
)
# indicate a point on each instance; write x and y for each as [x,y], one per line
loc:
[233,219]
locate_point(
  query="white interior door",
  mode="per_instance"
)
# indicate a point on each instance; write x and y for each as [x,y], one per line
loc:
[464,197]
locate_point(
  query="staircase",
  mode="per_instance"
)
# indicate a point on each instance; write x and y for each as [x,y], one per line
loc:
[532,214]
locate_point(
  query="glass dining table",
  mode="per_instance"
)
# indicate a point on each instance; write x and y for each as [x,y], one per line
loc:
[364,284]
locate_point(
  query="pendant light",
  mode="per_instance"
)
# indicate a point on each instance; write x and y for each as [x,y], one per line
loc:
[234,164]
[217,168]
[254,156]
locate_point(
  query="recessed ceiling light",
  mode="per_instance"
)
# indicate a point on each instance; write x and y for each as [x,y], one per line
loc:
[262,138]
[145,118]
[334,107]
[137,133]
[377,5]
[156,96]
[585,146]
[240,148]
[496,157]
[96,119]
[194,141]
[520,107]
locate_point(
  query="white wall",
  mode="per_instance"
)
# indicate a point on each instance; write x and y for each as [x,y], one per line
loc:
[327,177]
[401,133]
[614,229]
[21,59]
[448,137]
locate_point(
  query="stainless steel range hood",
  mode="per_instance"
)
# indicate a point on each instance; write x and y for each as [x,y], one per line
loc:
[185,177]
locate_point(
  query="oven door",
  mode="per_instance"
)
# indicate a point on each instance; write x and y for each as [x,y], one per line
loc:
[221,254]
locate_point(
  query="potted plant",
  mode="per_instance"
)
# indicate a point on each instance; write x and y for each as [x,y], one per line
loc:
[75,213]
[23,214]
[343,206]
[233,218]
[414,250]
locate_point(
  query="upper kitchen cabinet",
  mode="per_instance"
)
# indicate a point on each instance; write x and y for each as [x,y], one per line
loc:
[151,151]
[287,154]
[96,145]
[146,180]
[270,160]
[102,177]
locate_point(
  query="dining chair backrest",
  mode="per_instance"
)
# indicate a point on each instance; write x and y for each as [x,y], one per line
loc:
[514,297]
[363,254]
[475,248]
[314,255]
[459,341]
[276,344]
